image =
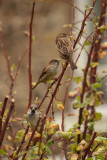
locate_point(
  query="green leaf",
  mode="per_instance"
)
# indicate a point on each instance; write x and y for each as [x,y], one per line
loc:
[49,143]
[33,38]
[89,100]
[20,135]
[79,105]
[1,104]
[94,64]
[2,152]
[98,116]
[100,139]
[13,67]
[103,28]
[105,142]
[78,98]
[75,126]
[65,135]
[95,86]
[91,127]
[78,79]
[60,106]
[68,78]
[48,150]
[73,147]
[89,158]
[99,157]
[87,43]
[78,148]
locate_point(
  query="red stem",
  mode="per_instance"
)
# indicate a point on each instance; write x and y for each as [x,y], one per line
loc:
[30,53]
[83,24]
[89,146]
[64,101]
[46,93]
[6,121]
[2,111]
[85,124]
[6,56]
[57,86]
[19,63]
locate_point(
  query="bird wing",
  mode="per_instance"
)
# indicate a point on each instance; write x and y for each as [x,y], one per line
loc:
[44,71]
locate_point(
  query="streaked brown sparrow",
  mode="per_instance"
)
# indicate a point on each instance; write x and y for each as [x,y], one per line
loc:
[65,48]
[49,72]
[32,115]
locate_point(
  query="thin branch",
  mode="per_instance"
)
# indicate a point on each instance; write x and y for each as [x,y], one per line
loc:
[85,123]
[6,121]
[6,56]
[89,146]
[30,53]
[47,93]
[64,100]
[2,111]
[41,131]
[83,46]
[83,24]
[94,149]
[98,45]
[19,63]
[56,88]
[72,4]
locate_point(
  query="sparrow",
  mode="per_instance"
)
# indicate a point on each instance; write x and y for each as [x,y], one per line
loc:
[49,72]
[32,115]
[65,49]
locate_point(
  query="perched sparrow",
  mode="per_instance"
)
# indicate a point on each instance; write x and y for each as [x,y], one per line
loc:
[49,72]
[32,115]
[65,49]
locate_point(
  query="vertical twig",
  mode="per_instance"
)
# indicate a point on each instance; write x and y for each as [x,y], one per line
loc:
[95,59]
[6,56]
[98,45]
[2,111]
[46,93]
[30,53]
[85,123]
[89,146]
[6,121]
[64,101]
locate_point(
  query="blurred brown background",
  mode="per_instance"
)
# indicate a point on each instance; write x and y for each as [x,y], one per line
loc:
[48,21]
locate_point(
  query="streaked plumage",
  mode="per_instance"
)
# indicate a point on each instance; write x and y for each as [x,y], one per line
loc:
[49,72]
[65,49]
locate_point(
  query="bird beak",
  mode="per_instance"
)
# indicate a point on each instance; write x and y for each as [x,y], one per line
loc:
[33,110]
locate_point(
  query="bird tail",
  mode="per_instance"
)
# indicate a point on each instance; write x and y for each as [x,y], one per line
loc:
[73,65]
[35,85]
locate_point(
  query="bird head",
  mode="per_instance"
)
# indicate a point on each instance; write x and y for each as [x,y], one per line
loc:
[33,108]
